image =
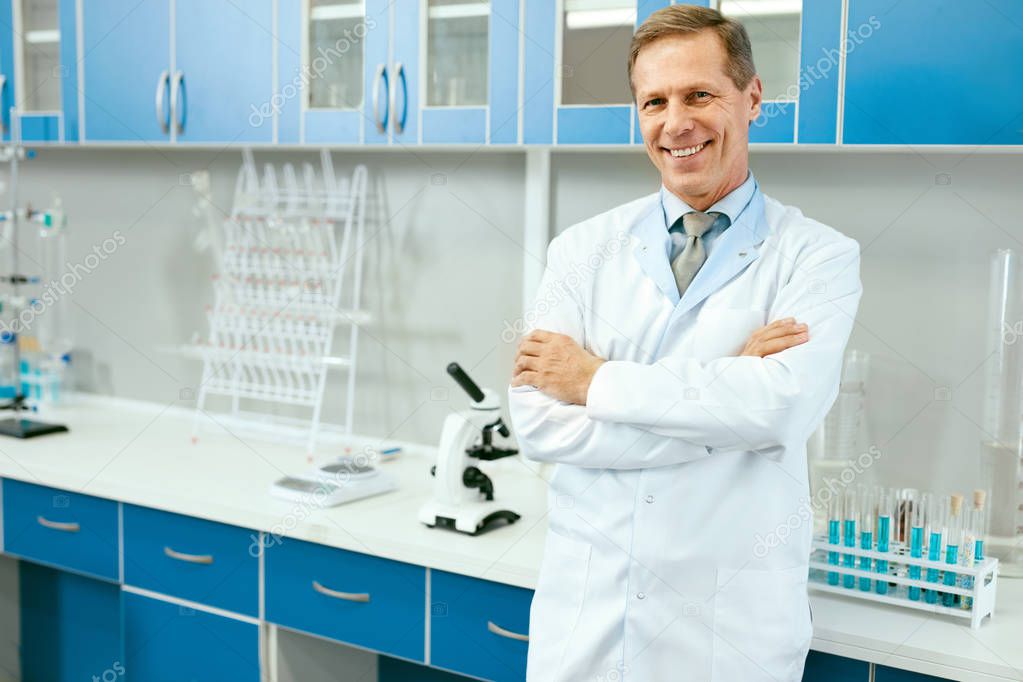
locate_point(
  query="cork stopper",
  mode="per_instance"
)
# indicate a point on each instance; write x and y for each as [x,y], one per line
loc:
[956,503]
[979,497]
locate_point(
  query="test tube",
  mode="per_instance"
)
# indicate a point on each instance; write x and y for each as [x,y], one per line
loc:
[849,538]
[834,534]
[953,541]
[866,536]
[980,521]
[937,515]
[885,506]
[967,555]
[916,540]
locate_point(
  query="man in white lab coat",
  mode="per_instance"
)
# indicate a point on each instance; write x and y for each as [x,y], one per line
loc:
[678,363]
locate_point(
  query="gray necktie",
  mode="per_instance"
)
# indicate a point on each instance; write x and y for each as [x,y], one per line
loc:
[688,263]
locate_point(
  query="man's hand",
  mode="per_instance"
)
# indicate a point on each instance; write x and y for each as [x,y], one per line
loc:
[556,365]
[776,337]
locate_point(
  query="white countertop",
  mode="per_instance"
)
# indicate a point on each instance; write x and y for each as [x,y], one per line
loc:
[142,453]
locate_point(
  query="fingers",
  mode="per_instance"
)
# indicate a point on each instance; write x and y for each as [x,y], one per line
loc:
[529,347]
[781,328]
[525,362]
[779,344]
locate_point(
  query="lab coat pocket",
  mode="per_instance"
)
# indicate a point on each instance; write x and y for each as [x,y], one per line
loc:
[762,628]
[557,602]
[723,332]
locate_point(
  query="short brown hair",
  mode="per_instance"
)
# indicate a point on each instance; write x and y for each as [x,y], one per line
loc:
[691,19]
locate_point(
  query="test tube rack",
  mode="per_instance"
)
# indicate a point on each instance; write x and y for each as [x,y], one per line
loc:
[289,275]
[983,576]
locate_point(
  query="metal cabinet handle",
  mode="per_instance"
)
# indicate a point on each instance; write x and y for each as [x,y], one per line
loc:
[347,596]
[399,75]
[189,558]
[161,93]
[58,525]
[498,630]
[381,75]
[177,104]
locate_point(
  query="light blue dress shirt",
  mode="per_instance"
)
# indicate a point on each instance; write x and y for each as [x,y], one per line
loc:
[732,204]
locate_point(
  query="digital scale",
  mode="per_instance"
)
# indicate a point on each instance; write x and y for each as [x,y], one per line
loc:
[336,483]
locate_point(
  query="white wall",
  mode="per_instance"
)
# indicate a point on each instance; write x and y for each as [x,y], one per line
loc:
[444,274]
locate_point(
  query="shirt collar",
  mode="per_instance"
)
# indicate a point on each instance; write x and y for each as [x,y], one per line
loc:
[732,204]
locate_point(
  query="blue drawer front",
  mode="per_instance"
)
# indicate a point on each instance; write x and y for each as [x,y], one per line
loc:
[885,674]
[65,529]
[202,561]
[461,639]
[829,668]
[164,642]
[70,626]
[392,621]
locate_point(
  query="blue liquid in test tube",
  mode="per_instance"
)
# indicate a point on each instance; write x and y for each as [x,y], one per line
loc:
[916,550]
[934,554]
[834,538]
[849,540]
[951,557]
[884,525]
[867,519]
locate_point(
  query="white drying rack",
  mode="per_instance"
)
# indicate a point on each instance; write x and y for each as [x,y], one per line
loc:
[979,596]
[290,272]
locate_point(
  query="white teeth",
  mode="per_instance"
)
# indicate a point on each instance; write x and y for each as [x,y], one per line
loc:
[688,151]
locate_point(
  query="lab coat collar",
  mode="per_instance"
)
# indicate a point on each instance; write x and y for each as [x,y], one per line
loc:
[735,249]
[732,204]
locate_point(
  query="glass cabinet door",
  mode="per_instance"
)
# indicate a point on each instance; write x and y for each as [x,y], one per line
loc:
[456,71]
[457,52]
[38,76]
[774,28]
[335,56]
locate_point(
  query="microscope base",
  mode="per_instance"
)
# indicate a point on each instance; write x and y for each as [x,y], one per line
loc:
[471,518]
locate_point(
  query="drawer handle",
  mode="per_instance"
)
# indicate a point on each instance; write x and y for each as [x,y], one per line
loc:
[347,596]
[498,630]
[190,558]
[58,525]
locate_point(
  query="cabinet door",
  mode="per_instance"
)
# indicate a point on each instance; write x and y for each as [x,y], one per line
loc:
[404,102]
[937,72]
[126,44]
[223,70]
[165,642]
[6,67]
[70,626]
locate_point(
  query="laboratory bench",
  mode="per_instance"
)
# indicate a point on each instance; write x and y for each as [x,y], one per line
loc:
[134,553]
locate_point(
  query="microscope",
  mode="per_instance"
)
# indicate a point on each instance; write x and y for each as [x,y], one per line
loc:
[463,496]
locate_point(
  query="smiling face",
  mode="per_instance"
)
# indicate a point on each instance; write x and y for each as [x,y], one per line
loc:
[694,120]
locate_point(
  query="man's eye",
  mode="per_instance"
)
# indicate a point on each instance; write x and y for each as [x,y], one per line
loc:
[656,101]
[701,94]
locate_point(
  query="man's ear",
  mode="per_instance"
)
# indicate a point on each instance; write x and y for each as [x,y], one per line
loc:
[756,93]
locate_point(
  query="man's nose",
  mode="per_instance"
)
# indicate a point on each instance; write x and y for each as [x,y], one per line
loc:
[679,119]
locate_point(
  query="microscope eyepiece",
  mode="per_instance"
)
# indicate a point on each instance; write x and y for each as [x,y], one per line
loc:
[463,380]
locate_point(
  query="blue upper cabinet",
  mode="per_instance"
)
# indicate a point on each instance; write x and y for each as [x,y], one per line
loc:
[937,72]
[6,67]
[208,85]
[379,72]
[126,46]
[223,70]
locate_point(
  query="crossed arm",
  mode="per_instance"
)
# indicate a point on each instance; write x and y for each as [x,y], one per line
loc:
[570,406]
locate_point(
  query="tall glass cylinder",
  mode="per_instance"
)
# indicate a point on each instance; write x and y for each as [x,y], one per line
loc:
[1003,436]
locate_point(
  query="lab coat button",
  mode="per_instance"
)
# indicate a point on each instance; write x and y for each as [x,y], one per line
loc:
[641,595]
[649,499]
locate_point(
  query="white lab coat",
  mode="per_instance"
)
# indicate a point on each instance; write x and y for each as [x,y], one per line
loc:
[679,530]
